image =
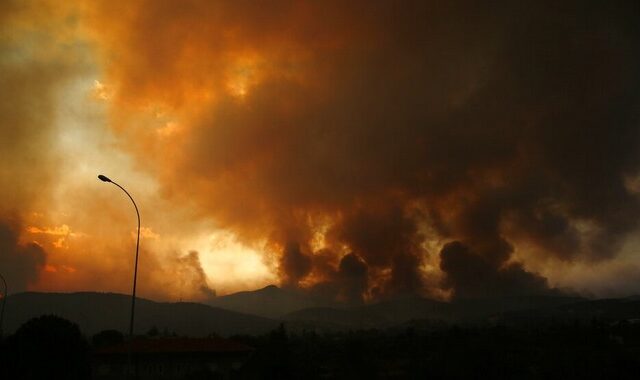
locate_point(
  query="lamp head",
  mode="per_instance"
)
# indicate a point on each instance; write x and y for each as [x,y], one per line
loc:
[103,178]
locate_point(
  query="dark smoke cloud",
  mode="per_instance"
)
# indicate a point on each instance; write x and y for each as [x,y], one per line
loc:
[294,265]
[386,237]
[353,277]
[348,283]
[19,264]
[474,274]
[496,126]
[189,271]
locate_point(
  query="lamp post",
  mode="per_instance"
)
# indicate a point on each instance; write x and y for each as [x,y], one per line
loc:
[135,268]
[4,301]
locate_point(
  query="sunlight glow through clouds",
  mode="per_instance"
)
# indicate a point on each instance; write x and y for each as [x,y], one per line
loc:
[228,263]
[88,147]
[233,125]
[242,75]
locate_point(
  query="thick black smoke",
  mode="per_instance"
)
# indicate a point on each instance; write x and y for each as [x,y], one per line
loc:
[504,127]
[474,274]
[385,237]
[19,264]
[295,265]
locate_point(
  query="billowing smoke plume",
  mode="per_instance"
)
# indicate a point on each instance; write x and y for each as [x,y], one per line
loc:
[482,274]
[385,238]
[350,135]
[20,264]
[295,265]
[367,143]
[188,268]
[31,75]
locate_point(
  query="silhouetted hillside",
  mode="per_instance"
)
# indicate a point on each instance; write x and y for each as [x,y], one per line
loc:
[380,315]
[269,302]
[605,310]
[482,308]
[302,311]
[401,310]
[332,319]
[95,312]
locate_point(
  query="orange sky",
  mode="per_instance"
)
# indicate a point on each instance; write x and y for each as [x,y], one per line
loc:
[332,146]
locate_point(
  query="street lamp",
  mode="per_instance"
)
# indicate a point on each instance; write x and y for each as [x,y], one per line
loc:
[4,301]
[135,270]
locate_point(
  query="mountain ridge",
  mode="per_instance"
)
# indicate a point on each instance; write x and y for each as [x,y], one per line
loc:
[269,302]
[97,311]
[94,312]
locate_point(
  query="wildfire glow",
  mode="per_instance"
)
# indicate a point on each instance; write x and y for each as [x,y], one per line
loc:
[361,151]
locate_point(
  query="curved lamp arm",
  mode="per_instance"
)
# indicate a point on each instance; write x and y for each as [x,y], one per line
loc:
[135,270]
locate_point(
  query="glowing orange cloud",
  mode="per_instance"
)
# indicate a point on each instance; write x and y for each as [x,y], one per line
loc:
[351,149]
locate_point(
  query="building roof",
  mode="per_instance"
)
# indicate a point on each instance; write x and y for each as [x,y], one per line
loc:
[176,345]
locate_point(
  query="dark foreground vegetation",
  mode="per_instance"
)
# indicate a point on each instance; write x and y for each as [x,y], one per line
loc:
[568,351]
[51,347]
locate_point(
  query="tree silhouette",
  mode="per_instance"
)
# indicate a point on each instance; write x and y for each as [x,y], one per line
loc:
[47,347]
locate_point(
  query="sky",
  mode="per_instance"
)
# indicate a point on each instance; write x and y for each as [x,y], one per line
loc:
[354,151]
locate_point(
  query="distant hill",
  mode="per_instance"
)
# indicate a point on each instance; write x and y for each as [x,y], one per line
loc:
[481,308]
[95,312]
[402,310]
[380,315]
[606,310]
[331,319]
[269,302]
